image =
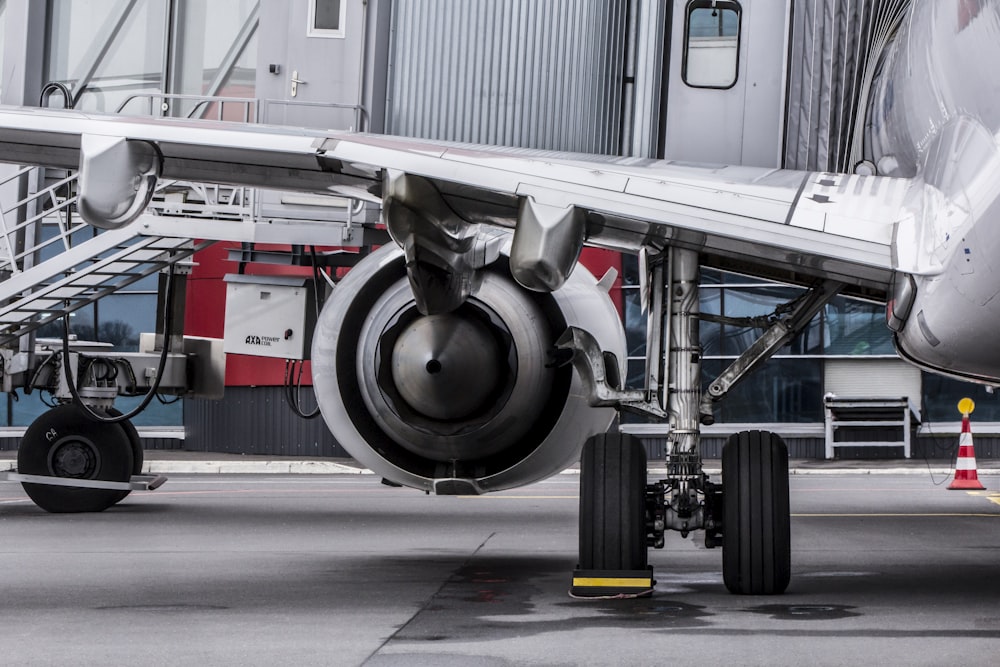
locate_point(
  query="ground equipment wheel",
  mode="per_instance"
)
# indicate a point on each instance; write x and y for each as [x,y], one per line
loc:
[64,442]
[136,443]
[756,549]
[612,503]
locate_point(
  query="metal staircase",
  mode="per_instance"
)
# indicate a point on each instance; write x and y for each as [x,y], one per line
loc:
[55,264]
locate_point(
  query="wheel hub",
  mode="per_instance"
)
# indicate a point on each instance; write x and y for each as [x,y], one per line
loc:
[74,458]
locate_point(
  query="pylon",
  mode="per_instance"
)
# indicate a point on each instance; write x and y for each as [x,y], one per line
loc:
[966,476]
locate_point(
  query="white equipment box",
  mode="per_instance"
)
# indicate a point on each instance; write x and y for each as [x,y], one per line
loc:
[269,316]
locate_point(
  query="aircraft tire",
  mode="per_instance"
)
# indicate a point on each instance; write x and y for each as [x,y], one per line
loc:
[612,503]
[756,544]
[63,442]
[135,441]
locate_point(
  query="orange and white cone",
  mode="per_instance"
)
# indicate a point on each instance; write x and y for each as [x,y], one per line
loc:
[966,476]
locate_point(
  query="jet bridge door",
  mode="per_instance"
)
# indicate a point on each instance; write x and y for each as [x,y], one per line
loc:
[726,86]
[310,65]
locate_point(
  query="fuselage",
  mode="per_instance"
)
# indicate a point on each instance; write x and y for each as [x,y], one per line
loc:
[935,118]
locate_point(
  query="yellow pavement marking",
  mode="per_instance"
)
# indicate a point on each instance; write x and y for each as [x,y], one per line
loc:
[989,495]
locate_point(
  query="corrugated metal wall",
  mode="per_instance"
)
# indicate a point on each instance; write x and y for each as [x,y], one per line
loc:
[255,420]
[835,47]
[528,73]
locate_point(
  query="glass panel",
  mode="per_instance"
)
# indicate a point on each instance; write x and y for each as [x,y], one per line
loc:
[216,55]
[710,333]
[782,390]
[856,328]
[711,54]
[941,396]
[710,276]
[635,324]
[109,50]
[327,15]
[82,324]
[326,18]
[122,317]
[757,302]
[54,247]
[636,371]
[630,270]
[3,32]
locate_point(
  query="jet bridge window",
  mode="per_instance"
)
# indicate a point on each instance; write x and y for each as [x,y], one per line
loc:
[712,43]
[326,18]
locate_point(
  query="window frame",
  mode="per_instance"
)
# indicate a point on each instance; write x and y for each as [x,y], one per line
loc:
[326,33]
[711,4]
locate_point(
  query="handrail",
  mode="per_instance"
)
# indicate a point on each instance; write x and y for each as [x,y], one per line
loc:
[248,103]
[360,112]
[56,87]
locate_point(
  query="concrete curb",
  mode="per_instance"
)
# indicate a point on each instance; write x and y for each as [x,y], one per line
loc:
[308,467]
[252,467]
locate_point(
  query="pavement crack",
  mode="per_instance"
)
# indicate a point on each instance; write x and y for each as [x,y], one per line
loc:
[431,599]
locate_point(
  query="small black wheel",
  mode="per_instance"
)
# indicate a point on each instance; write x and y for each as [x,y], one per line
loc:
[756,543]
[135,441]
[64,442]
[613,503]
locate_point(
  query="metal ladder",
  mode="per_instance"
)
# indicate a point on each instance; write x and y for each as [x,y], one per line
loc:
[50,277]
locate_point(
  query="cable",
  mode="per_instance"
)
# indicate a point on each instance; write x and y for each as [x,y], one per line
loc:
[164,401]
[293,389]
[168,298]
[953,450]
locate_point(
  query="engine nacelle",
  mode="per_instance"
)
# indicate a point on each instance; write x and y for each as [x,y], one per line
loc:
[462,402]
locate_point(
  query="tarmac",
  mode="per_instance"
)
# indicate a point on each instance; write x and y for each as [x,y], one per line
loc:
[166,462]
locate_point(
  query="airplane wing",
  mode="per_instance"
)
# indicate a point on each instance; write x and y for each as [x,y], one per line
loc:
[789,225]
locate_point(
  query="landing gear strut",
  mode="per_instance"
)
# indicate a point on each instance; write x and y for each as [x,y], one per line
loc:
[748,514]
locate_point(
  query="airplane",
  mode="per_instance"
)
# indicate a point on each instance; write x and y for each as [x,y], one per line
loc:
[473,354]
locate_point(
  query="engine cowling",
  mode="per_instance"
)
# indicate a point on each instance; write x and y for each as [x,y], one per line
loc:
[462,402]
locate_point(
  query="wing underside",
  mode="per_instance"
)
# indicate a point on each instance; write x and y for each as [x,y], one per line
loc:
[787,225]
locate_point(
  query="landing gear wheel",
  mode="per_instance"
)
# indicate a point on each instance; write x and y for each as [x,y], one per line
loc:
[612,503]
[63,442]
[136,443]
[756,549]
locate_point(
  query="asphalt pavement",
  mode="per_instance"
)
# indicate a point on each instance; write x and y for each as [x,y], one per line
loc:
[165,462]
[341,570]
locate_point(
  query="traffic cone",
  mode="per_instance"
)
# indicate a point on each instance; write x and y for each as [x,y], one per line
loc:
[966,476]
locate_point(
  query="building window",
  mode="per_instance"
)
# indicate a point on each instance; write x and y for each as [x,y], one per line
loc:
[107,52]
[788,388]
[327,18]
[712,44]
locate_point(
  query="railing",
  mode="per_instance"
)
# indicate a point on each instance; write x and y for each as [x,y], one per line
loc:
[19,242]
[247,114]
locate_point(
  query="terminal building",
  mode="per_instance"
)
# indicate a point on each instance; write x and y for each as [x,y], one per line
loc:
[768,84]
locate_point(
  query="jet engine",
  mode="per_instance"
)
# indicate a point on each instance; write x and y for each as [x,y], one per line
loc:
[464,402]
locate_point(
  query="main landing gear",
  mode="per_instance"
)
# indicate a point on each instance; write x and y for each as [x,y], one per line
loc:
[748,513]
[621,515]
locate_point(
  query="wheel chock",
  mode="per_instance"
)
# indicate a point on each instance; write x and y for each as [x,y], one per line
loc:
[612,584]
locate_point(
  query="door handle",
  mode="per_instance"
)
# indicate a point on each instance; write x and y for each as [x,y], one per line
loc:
[295,83]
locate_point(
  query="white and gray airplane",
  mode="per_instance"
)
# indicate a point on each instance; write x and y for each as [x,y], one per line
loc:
[474,355]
